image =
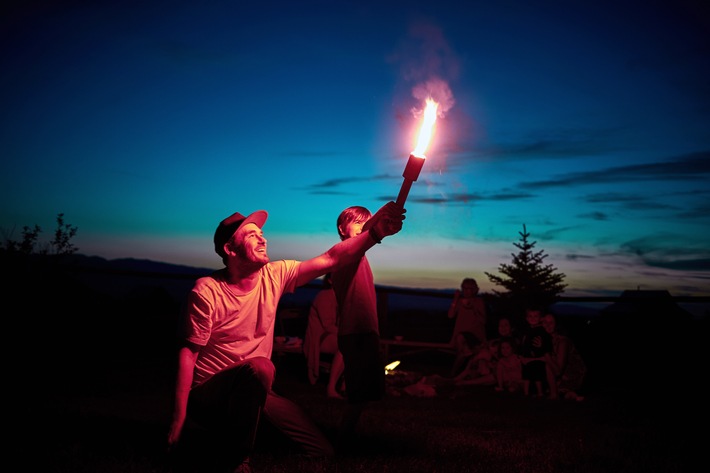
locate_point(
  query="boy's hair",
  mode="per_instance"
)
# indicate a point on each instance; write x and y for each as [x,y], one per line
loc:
[356,213]
[467,281]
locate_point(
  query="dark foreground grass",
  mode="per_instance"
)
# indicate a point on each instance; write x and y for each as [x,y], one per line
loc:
[116,420]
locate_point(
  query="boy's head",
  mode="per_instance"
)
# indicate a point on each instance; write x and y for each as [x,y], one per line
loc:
[351,220]
[533,316]
[469,287]
[505,329]
[506,348]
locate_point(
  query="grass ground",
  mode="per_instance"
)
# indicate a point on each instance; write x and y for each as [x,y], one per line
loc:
[89,376]
[115,420]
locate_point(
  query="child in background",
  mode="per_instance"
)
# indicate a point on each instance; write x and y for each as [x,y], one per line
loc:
[536,345]
[509,369]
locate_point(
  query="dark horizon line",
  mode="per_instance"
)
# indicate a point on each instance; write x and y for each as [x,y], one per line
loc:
[136,267]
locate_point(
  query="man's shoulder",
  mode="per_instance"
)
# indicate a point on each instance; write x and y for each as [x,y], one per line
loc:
[282,271]
[280,265]
[210,279]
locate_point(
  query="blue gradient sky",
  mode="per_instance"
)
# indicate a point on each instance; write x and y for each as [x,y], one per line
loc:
[146,123]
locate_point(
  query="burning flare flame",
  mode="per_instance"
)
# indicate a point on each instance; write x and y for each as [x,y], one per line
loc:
[427,129]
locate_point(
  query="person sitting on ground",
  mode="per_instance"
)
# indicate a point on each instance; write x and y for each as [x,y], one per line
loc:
[479,370]
[509,368]
[322,337]
[506,330]
[470,313]
[565,365]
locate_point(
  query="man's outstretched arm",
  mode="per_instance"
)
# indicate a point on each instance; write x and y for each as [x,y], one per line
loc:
[387,221]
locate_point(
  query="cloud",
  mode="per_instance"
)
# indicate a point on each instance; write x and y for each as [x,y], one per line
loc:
[553,233]
[699,211]
[561,143]
[575,257]
[337,182]
[701,264]
[598,216]
[684,254]
[688,167]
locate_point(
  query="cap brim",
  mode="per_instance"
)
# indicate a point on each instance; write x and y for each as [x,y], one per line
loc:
[258,218]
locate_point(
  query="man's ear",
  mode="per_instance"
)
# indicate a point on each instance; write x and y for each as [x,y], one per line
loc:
[229,247]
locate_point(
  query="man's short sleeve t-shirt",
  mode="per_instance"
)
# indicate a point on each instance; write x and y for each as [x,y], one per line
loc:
[232,327]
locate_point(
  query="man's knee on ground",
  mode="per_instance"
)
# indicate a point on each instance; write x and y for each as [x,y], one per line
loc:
[263,370]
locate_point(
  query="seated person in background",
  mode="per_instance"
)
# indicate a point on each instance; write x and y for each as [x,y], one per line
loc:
[509,368]
[479,370]
[535,345]
[322,337]
[506,330]
[565,366]
[469,310]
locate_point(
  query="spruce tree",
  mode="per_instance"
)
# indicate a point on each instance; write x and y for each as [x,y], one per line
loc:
[528,280]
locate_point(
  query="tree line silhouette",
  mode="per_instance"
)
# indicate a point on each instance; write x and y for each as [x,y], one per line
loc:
[527,279]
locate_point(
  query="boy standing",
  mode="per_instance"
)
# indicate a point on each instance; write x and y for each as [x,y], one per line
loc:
[358,323]
[535,345]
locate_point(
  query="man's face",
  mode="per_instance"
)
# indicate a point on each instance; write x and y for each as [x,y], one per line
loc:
[250,244]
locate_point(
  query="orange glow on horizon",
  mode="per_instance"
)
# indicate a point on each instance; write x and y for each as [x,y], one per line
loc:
[427,129]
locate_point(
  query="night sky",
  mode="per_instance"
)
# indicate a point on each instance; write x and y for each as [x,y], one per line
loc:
[146,123]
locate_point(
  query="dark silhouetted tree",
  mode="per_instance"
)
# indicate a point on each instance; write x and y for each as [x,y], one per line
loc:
[62,244]
[25,246]
[528,280]
[29,244]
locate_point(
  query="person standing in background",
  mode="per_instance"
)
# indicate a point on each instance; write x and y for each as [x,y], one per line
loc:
[322,337]
[471,316]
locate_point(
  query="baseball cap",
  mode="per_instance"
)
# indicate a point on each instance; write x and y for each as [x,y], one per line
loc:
[234,222]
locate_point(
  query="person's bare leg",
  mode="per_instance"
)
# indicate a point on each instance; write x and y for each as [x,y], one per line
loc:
[463,352]
[336,371]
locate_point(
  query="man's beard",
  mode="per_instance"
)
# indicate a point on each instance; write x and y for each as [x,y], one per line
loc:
[251,258]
